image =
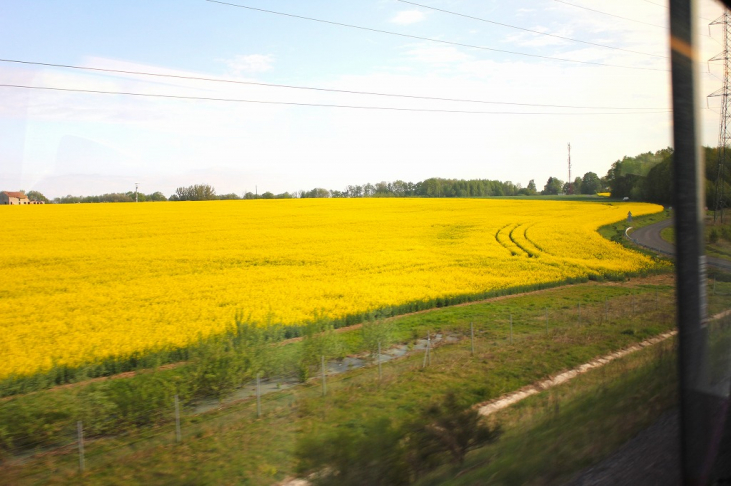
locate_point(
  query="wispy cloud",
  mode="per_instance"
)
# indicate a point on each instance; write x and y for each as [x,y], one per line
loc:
[253,63]
[537,40]
[437,55]
[406,17]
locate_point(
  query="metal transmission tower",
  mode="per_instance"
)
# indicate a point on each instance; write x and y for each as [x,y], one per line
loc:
[724,136]
[571,184]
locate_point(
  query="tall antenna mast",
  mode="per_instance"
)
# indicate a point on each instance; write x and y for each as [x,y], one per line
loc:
[571,184]
[723,133]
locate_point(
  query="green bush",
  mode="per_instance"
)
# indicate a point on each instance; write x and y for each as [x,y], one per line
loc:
[713,235]
[376,330]
[216,369]
[381,453]
[319,339]
[139,402]
[30,422]
[374,454]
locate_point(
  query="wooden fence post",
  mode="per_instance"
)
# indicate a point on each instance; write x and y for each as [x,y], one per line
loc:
[380,373]
[258,394]
[178,434]
[472,336]
[511,328]
[80,438]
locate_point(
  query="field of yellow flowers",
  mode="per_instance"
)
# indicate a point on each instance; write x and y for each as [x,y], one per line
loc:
[91,281]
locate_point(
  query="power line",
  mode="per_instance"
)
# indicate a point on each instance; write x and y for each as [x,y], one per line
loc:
[533,31]
[236,100]
[429,39]
[330,90]
[612,15]
[666,7]
[658,4]
[623,18]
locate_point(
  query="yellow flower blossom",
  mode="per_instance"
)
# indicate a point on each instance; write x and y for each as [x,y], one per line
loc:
[91,281]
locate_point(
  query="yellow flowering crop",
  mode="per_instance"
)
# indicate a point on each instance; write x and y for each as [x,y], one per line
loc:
[88,281]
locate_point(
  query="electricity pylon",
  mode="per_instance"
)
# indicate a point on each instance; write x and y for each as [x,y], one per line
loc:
[723,133]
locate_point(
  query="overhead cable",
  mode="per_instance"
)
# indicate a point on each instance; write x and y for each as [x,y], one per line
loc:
[667,7]
[290,103]
[329,90]
[430,39]
[532,30]
[613,15]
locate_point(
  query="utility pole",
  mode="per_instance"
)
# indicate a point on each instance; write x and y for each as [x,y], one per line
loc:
[571,184]
[723,132]
[137,184]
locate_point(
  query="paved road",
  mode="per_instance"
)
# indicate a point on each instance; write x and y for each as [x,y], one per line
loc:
[649,237]
[652,457]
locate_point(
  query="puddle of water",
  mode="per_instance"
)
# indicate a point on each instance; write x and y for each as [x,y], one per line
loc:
[333,367]
[347,364]
[247,391]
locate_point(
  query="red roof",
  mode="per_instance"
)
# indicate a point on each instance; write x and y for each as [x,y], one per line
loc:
[19,195]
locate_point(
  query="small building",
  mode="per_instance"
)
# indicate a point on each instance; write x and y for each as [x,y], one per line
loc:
[14,198]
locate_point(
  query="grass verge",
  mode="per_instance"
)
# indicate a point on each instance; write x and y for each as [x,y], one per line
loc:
[615,231]
[232,445]
[554,434]
[718,238]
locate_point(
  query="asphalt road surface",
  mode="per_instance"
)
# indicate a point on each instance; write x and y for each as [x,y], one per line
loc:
[653,456]
[649,237]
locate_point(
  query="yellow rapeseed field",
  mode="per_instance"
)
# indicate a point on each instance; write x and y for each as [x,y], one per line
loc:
[88,281]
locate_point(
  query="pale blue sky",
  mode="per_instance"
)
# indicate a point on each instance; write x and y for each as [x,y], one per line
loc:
[80,143]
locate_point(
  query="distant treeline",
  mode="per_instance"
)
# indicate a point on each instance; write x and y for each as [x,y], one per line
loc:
[649,177]
[434,187]
[110,198]
[645,177]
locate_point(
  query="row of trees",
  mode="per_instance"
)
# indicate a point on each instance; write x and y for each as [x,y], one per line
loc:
[108,198]
[433,187]
[589,184]
[649,177]
[437,187]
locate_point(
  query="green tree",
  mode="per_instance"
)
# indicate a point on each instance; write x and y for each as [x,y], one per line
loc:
[317,192]
[371,454]
[590,183]
[626,177]
[553,187]
[381,453]
[319,339]
[576,187]
[377,330]
[658,185]
[197,192]
[451,428]
[217,368]
[37,196]
[532,190]
[156,196]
